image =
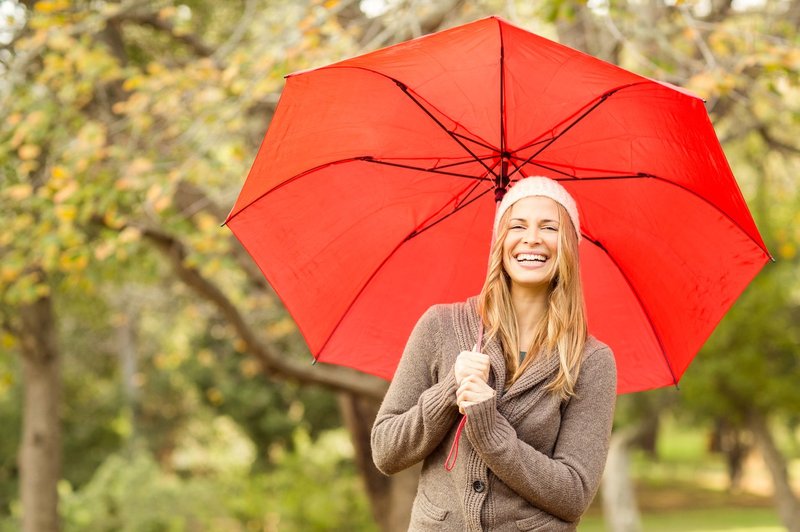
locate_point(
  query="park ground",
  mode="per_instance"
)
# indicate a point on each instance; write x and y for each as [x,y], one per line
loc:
[686,489]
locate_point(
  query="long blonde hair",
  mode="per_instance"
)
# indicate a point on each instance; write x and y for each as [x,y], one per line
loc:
[561,330]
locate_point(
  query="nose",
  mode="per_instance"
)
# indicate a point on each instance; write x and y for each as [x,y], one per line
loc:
[531,236]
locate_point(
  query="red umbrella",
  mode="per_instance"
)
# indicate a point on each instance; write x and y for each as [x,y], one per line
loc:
[372,195]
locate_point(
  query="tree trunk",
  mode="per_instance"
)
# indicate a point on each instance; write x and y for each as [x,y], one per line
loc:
[785,499]
[620,510]
[390,497]
[126,326]
[40,454]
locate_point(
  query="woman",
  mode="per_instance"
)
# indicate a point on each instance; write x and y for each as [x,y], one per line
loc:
[539,403]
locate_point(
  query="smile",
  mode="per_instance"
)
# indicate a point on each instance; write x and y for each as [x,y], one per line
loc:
[530,257]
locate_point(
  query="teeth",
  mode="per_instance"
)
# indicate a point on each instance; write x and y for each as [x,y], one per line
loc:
[530,256]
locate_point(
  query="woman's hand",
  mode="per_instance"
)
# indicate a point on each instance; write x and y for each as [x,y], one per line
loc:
[471,391]
[471,363]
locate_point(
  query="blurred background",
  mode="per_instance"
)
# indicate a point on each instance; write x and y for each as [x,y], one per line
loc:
[151,380]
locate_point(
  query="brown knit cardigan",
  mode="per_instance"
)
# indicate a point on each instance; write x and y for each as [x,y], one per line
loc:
[527,459]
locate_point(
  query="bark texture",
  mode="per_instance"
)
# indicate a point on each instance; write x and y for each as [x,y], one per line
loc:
[391,497]
[785,499]
[619,497]
[40,453]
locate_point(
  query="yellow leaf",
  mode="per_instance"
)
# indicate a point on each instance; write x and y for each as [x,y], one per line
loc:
[59,173]
[119,108]
[19,192]
[205,357]
[124,183]
[788,250]
[27,167]
[154,192]
[51,6]
[8,274]
[42,290]
[330,4]
[60,42]
[7,340]
[66,213]
[133,83]
[29,151]
[215,396]
[69,261]
[155,69]
[130,234]
[206,222]
[139,166]
[62,195]
[249,367]
[162,203]
[14,119]
[103,250]
[167,12]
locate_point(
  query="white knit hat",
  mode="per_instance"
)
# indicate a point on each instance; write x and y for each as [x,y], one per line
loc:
[539,186]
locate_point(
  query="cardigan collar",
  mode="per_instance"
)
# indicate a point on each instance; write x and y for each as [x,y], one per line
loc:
[543,366]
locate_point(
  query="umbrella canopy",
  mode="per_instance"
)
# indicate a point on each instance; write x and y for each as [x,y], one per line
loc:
[373,194]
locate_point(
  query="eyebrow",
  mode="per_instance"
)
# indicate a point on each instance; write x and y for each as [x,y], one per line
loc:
[541,221]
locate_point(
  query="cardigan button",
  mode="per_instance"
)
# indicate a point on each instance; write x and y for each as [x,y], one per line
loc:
[478,486]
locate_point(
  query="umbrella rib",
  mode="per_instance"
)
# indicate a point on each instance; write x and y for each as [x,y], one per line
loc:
[414,233]
[365,158]
[232,215]
[641,304]
[586,113]
[474,141]
[502,94]
[435,170]
[459,207]
[461,163]
[453,136]
[644,175]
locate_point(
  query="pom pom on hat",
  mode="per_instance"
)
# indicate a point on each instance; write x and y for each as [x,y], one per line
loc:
[539,186]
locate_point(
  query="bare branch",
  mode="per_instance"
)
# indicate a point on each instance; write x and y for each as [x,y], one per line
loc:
[154,21]
[238,32]
[774,143]
[334,377]
[191,200]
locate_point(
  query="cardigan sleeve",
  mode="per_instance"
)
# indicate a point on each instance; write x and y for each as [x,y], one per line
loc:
[420,406]
[565,484]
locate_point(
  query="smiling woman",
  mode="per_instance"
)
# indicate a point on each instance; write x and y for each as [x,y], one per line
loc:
[530,247]
[538,430]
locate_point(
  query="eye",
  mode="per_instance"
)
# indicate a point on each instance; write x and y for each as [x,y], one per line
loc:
[517,226]
[550,228]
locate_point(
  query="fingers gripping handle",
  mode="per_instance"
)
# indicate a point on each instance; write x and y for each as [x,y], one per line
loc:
[448,465]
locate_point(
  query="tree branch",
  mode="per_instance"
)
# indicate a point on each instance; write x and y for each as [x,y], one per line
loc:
[191,200]
[337,378]
[774,143]
[154,21]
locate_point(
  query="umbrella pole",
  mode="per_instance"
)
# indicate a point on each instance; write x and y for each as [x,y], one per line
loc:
[501,186]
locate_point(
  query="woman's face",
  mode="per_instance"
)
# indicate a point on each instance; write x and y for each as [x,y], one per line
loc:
[530,247]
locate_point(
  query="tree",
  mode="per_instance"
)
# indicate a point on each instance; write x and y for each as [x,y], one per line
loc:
[744,60]
[127,129]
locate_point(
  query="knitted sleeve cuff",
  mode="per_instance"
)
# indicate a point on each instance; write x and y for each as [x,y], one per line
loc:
[486,428]
[439,401]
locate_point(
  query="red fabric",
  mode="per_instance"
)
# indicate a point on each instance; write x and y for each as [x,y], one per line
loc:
[330,218]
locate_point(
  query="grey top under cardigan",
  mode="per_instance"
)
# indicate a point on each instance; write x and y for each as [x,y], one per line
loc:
[527,459]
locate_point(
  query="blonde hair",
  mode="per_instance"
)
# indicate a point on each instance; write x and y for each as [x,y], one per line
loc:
[562,329]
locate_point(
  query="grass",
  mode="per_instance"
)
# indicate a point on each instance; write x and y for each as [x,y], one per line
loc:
[682,506]
[729,519]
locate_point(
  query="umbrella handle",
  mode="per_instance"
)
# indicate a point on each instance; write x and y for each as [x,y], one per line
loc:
[477,347]
[454,448]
